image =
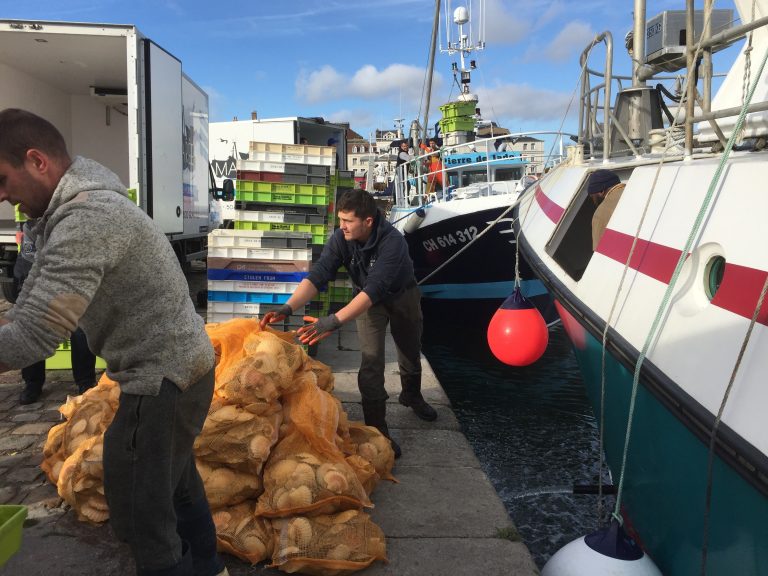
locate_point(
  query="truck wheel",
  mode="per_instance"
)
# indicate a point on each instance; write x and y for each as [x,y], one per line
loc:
[9,291]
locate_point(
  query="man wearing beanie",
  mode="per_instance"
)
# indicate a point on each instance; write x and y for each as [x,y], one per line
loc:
[605,188]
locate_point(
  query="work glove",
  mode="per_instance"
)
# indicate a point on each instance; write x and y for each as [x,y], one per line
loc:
[275,315]
[319,329]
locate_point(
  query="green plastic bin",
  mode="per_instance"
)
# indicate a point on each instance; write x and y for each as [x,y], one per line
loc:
[11,522]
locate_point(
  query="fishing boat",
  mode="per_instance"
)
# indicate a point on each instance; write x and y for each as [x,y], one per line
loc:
[667,313]
[454,204]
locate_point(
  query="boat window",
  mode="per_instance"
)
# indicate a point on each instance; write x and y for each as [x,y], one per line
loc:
[713,275]
[505,174]
[571,242]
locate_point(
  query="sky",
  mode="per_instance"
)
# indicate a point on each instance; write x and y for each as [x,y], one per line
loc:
[364,62]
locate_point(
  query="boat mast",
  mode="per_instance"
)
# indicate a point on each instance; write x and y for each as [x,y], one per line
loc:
[430,69]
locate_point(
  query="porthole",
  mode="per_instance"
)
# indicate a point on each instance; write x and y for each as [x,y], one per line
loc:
[713,275]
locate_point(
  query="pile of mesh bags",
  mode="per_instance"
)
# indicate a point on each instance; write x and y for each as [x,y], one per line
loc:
[287,475]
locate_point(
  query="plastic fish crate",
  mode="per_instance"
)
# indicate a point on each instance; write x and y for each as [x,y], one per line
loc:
[297,169]
[247,308]
[258,166]
[340,293]
[319,231]
[457,125]
[255,276]
[216,296]
[260,287]
[221,238]
[257,176]
[11,523]
[311,194]
[62,359]
[313,170]
[260,253]
[292,153]
[457,109]
[262,266]
[304,179]
[279,216]
[283,208]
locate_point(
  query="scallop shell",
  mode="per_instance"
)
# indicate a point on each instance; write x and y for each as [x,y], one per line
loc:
[280,499]
[56,470]
[335,481]
[243,523]
[381,443]
[340,552]
[220,479]
[368,451]
[254,546]
[221,518]
[98,502]
[281,471]
[94,423]
[344,517]
[259,447]
[92,514]
[288,551]
[300,532]
[308,458]
[78,427]
[299,497]
[303,475]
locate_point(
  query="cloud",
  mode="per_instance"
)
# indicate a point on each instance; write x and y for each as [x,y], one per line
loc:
[368,83]
[569,42]
[522,102]
[503,27]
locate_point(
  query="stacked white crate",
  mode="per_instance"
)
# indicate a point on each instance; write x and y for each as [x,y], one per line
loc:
[280,214]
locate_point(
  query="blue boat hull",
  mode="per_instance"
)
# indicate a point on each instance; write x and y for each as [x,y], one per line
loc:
[664,495]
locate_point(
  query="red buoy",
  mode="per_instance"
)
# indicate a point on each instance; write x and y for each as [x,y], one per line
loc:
[517,333]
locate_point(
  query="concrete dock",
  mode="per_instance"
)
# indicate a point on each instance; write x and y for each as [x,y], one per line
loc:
[442,517]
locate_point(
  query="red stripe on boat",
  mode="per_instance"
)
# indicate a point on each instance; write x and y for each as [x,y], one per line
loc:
[651,259]
[552,210]
[738,292]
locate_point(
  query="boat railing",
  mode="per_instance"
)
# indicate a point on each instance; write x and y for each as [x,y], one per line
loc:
[597,120]
[412,179]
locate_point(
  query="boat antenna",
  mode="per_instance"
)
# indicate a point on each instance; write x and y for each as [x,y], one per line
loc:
[465,44]
[430,69]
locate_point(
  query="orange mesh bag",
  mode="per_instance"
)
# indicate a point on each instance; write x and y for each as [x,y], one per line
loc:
[87,416]
[227,339]
[300,480]
[276,358]
[313,412]
[227,487]
[241,533]
[332,545]
[323,372]
[238,438]
[364,471]
[374,447]
[81,481]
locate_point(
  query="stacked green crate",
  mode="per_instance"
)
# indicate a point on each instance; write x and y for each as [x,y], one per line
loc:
[457,117]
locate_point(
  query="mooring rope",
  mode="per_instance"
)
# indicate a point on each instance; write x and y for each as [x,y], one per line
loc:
[652,333]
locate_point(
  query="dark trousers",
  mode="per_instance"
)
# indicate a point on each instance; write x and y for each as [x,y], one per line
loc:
[83,364]
[403,314]
[156,498]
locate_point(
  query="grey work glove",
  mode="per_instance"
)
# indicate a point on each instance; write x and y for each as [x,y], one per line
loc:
[275,315]
[319,329]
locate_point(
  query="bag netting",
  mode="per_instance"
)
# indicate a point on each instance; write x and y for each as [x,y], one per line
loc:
[241,533]
[298,479]
[273,433]
[327,545]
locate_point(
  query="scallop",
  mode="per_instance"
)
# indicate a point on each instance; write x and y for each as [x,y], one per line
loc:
[78,428]
[368,451]
[259,447]
[94,515]
[221,518]
[344,517]
[300,497]
[254,546]
[308,458]
[281,500]
[303,475]
[281,471]
[300,532]
[340,552]
[335,481]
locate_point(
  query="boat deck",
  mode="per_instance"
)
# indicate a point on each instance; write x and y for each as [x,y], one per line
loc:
[442,517]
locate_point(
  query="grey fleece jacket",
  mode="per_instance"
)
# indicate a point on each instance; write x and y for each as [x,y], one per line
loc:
[102,263]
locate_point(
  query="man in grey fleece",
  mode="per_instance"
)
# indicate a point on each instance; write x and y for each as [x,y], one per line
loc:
[102,264]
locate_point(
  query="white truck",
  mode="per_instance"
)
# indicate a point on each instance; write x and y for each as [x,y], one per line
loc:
[122,100]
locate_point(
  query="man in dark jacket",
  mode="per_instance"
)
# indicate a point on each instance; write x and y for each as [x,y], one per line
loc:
[376,258]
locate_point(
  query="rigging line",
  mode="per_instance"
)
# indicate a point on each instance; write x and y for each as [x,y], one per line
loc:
[560,132]
[718,419]
[652,334]
[475,239]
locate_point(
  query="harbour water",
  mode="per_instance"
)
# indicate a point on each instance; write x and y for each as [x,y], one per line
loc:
[532,428]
